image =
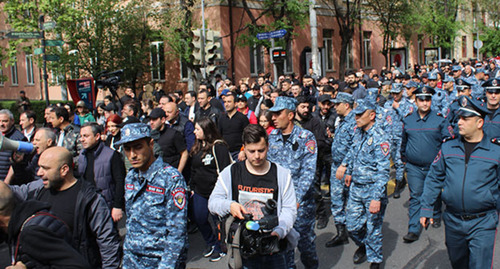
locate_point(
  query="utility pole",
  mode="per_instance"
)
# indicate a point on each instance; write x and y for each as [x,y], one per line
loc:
[41,19]
[203,38]
[314,38]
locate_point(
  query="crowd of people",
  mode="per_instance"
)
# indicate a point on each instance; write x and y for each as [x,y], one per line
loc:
[165,164]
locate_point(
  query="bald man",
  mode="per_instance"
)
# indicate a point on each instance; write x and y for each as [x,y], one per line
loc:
[77,203]
[180,123]
[39,238]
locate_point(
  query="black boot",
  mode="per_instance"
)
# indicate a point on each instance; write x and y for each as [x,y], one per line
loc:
[400,185]
[322,222]
[341,238]
[359,255]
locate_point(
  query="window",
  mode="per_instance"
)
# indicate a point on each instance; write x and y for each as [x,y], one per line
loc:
[256,60]
[184,69]
[367,48]
[328,48]
[157,61]
[30,77]
[13,73]
[289,58]
[350,61]
[464,46]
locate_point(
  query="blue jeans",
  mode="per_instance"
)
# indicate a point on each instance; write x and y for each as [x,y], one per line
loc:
[201,215]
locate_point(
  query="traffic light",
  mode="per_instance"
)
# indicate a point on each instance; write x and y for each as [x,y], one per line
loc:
[213,50]
[196,45]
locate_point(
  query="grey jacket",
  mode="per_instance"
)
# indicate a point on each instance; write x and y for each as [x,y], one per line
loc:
[221,199]
[94,235]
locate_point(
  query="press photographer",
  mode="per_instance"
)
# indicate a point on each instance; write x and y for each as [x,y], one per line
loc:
[260,196]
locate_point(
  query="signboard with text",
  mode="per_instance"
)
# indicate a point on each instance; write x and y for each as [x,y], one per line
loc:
[82,89]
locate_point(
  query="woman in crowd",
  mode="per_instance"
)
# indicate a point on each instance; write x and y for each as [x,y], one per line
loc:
[265,120]
[147,106]
[113,126]
[83,113]
[99,115]
[209,155]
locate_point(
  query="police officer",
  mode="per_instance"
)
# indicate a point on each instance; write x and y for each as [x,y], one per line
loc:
[462,89]
[155,198]
[467,170]
[440,101]
[492,121]
[295,148]
[341,144]
[423,133]
[399,108]
[367,168]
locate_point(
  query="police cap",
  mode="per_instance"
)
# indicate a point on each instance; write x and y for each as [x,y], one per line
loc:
[424,91]
[134,131]
[492,85]
[396,87]
[462,84]
[364,105]
[283,102]
[343,97]
[471,108]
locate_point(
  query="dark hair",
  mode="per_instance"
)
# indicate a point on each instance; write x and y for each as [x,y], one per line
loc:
[192,93]
[328,88]
[132,104]
[205,92]
[212,136]
[71,107]
[30,114]
[268,103]
[253,133]
[149,103]
[61,112]
[96,128]
[302,99]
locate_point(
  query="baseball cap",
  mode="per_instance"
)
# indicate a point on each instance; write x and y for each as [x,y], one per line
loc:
[132,132]
[283,102]
[343,97]
[364,105]
[157,113]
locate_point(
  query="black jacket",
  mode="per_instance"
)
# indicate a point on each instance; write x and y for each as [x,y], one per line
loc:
[13,134]
[41,240]
[94,234]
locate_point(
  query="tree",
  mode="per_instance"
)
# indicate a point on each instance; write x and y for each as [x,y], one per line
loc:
[490,26]
[98,35]
[348,16]
[390,18]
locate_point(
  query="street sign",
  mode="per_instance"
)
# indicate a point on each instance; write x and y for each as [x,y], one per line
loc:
[38,51]
[478,44]
[24,35]
[54,43]
[51,58]
[262,36]
[49,25]
[278,33]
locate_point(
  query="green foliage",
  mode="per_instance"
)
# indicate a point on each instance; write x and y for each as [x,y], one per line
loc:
[285,14]
[491,41]
[38,106]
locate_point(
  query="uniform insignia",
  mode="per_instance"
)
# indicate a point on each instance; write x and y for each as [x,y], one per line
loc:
[494,83]
[460,82]
[179,196]
[311,146]
[154,189]
[411,110]
[464,102]
[127,132]
[438,156]
[495,141]
[385,148]
[389,119]
[450,130]
[129,186]
[370,141]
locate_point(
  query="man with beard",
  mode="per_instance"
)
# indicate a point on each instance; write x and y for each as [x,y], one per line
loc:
[358,91]
[78,204]
[305,119]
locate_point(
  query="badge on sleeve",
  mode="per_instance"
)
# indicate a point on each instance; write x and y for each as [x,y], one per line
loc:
[388,119]
[438,157]
[450,130]
[311,146]
[179,196]
[370,141]
[385,148]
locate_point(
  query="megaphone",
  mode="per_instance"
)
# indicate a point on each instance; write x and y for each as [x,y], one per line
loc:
[20,146]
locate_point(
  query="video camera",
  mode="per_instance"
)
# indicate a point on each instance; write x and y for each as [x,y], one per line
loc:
[110,80]
[256,238]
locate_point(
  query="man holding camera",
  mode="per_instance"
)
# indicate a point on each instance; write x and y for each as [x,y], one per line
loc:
[246,187]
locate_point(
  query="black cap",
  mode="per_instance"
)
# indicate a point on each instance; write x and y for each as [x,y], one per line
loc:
[157,113]
[109,107]
[471,108]
[372,84]
[424,91]
[424,75]
[492,85]
[324,98]
[462,84]
[241,97]
[22,92]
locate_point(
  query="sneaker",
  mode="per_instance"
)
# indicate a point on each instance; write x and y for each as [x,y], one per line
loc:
[216,256]
[209,251]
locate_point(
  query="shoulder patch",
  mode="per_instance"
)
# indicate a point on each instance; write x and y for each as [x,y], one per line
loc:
[385,148]
[450,130]
[495,141]
[311,146]
[388,119]
[438,157]
[179,197]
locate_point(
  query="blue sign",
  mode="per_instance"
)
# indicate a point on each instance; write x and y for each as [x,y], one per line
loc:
[84,89]
[278,33]
[262,36]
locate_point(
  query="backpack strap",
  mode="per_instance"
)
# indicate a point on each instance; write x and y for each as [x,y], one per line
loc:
[233,250]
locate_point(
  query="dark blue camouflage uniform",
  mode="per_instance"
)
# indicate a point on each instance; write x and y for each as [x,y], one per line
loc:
[369,165]
[156,218]
[299,154]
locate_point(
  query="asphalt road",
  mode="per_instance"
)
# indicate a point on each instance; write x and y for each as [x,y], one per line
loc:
[428,252]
